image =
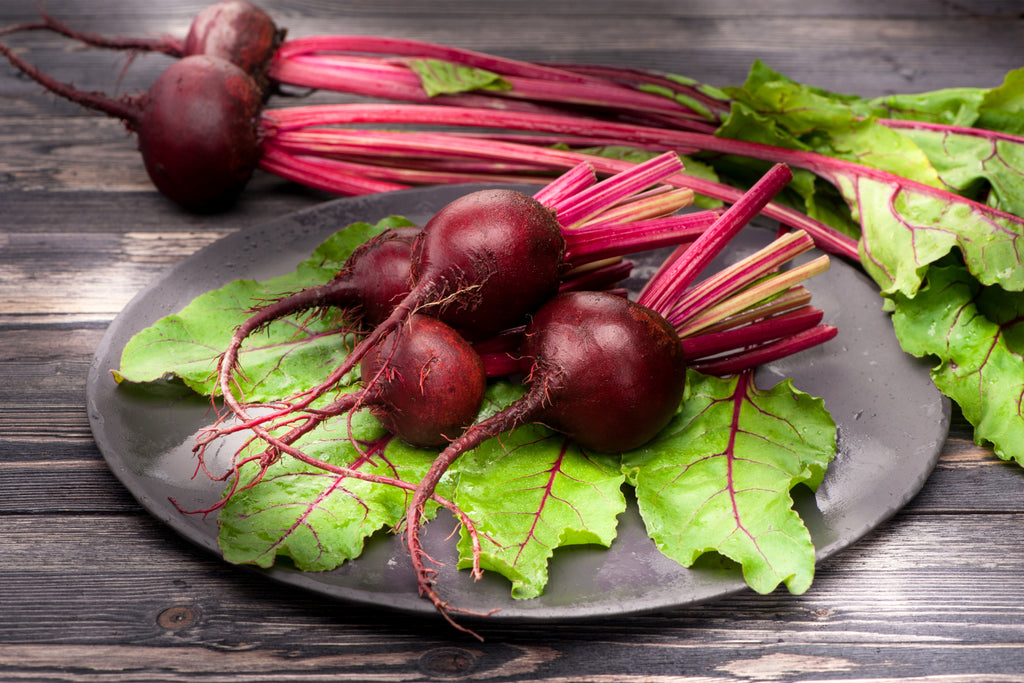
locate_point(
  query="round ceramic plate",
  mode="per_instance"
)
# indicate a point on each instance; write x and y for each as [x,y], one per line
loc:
[892,424]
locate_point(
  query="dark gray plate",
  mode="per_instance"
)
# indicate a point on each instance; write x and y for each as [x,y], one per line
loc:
[892,424]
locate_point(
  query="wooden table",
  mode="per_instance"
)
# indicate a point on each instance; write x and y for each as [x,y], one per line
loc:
[94,589]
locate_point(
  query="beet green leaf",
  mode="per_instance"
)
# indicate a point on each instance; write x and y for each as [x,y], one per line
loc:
[977,335]
[906,229]
[1001,107]
[292,351]
[902,183]
[439,77]
[981,165]
[719,478]
[318,518]
[530,492]
[773,109]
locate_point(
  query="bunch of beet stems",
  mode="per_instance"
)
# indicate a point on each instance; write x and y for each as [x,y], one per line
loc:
[326,147]
[399,69]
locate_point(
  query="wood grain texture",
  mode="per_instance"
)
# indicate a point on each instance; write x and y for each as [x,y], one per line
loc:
[94,589]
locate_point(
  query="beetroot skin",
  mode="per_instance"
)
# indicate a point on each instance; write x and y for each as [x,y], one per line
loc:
[425,383]
[236,31]
[198,131]
[490,257]
[613,371]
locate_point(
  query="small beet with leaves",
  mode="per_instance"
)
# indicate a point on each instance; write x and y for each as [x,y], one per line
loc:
[373,280]
[423,382]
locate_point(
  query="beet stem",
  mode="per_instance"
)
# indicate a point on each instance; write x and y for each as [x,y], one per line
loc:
[792,299]
[599,242]
[772,286]
[663,201]
[683,272]
[596,275]
[566,185]
[318,174]
[596,198]
[731,279]
[279,121]
[774,327]
[767,353]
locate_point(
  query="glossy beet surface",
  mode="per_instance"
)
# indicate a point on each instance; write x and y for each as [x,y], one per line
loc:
[198,131]
[424,382]
[492,256]
[236,31]
[614,371]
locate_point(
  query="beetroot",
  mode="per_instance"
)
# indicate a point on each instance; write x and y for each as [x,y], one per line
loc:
[197,125]
[487,259]
[606,371]
[611,372]
[378,275]
[198,131]
[425,383]
[236,31]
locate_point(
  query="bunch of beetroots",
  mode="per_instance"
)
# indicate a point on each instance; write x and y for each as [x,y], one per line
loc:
[198,125]
[604,370]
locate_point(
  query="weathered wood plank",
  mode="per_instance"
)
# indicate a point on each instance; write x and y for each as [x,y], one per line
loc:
[877,599]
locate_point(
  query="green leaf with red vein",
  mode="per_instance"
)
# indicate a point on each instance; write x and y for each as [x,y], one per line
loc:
[317,518]
[531,492]
[895,177]
[293,351]
[977,334]
[908,227]
[719,478]
[974,163]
